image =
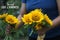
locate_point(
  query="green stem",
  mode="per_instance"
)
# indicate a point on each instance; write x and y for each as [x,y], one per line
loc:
[31,33]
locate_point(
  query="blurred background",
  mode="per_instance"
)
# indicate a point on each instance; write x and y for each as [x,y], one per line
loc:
[8,3]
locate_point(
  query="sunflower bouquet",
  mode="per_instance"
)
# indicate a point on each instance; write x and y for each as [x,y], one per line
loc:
[36,20]
[9,19]
[11,23]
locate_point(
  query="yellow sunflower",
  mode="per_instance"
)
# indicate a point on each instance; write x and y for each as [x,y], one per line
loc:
[26,19]
[47,19]
[38,26]
[0,16]
[36,16]
[11,19]
[3,15]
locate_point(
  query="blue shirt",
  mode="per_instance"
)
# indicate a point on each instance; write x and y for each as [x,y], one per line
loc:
[49,7]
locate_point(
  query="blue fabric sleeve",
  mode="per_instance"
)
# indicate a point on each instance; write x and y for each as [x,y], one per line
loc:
[23,1]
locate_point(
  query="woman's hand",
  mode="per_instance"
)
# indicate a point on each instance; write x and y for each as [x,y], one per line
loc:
[56,22]
[20,19]
[43,30]
[7,32]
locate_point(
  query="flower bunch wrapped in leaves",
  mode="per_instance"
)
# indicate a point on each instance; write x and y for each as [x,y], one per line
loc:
[9,19]
[11,22]
[11,30]
[35,19]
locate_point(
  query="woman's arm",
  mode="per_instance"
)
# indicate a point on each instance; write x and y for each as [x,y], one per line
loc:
[56,21]
[58,4]
[22,12]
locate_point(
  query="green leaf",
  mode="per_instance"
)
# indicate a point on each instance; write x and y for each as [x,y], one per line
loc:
[26,26]
[8,37]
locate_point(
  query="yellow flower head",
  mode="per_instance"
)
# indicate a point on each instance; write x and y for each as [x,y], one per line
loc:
[38,26]
[36,16]
[26,19]
[47,19]
[38,10]
[11,19]
[3,15]
[0,16]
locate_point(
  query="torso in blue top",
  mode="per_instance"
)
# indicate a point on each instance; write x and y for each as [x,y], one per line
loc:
[47,6]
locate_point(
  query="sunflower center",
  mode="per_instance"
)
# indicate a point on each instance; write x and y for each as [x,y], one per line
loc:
[35,18]
[10,20]
[28,20]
